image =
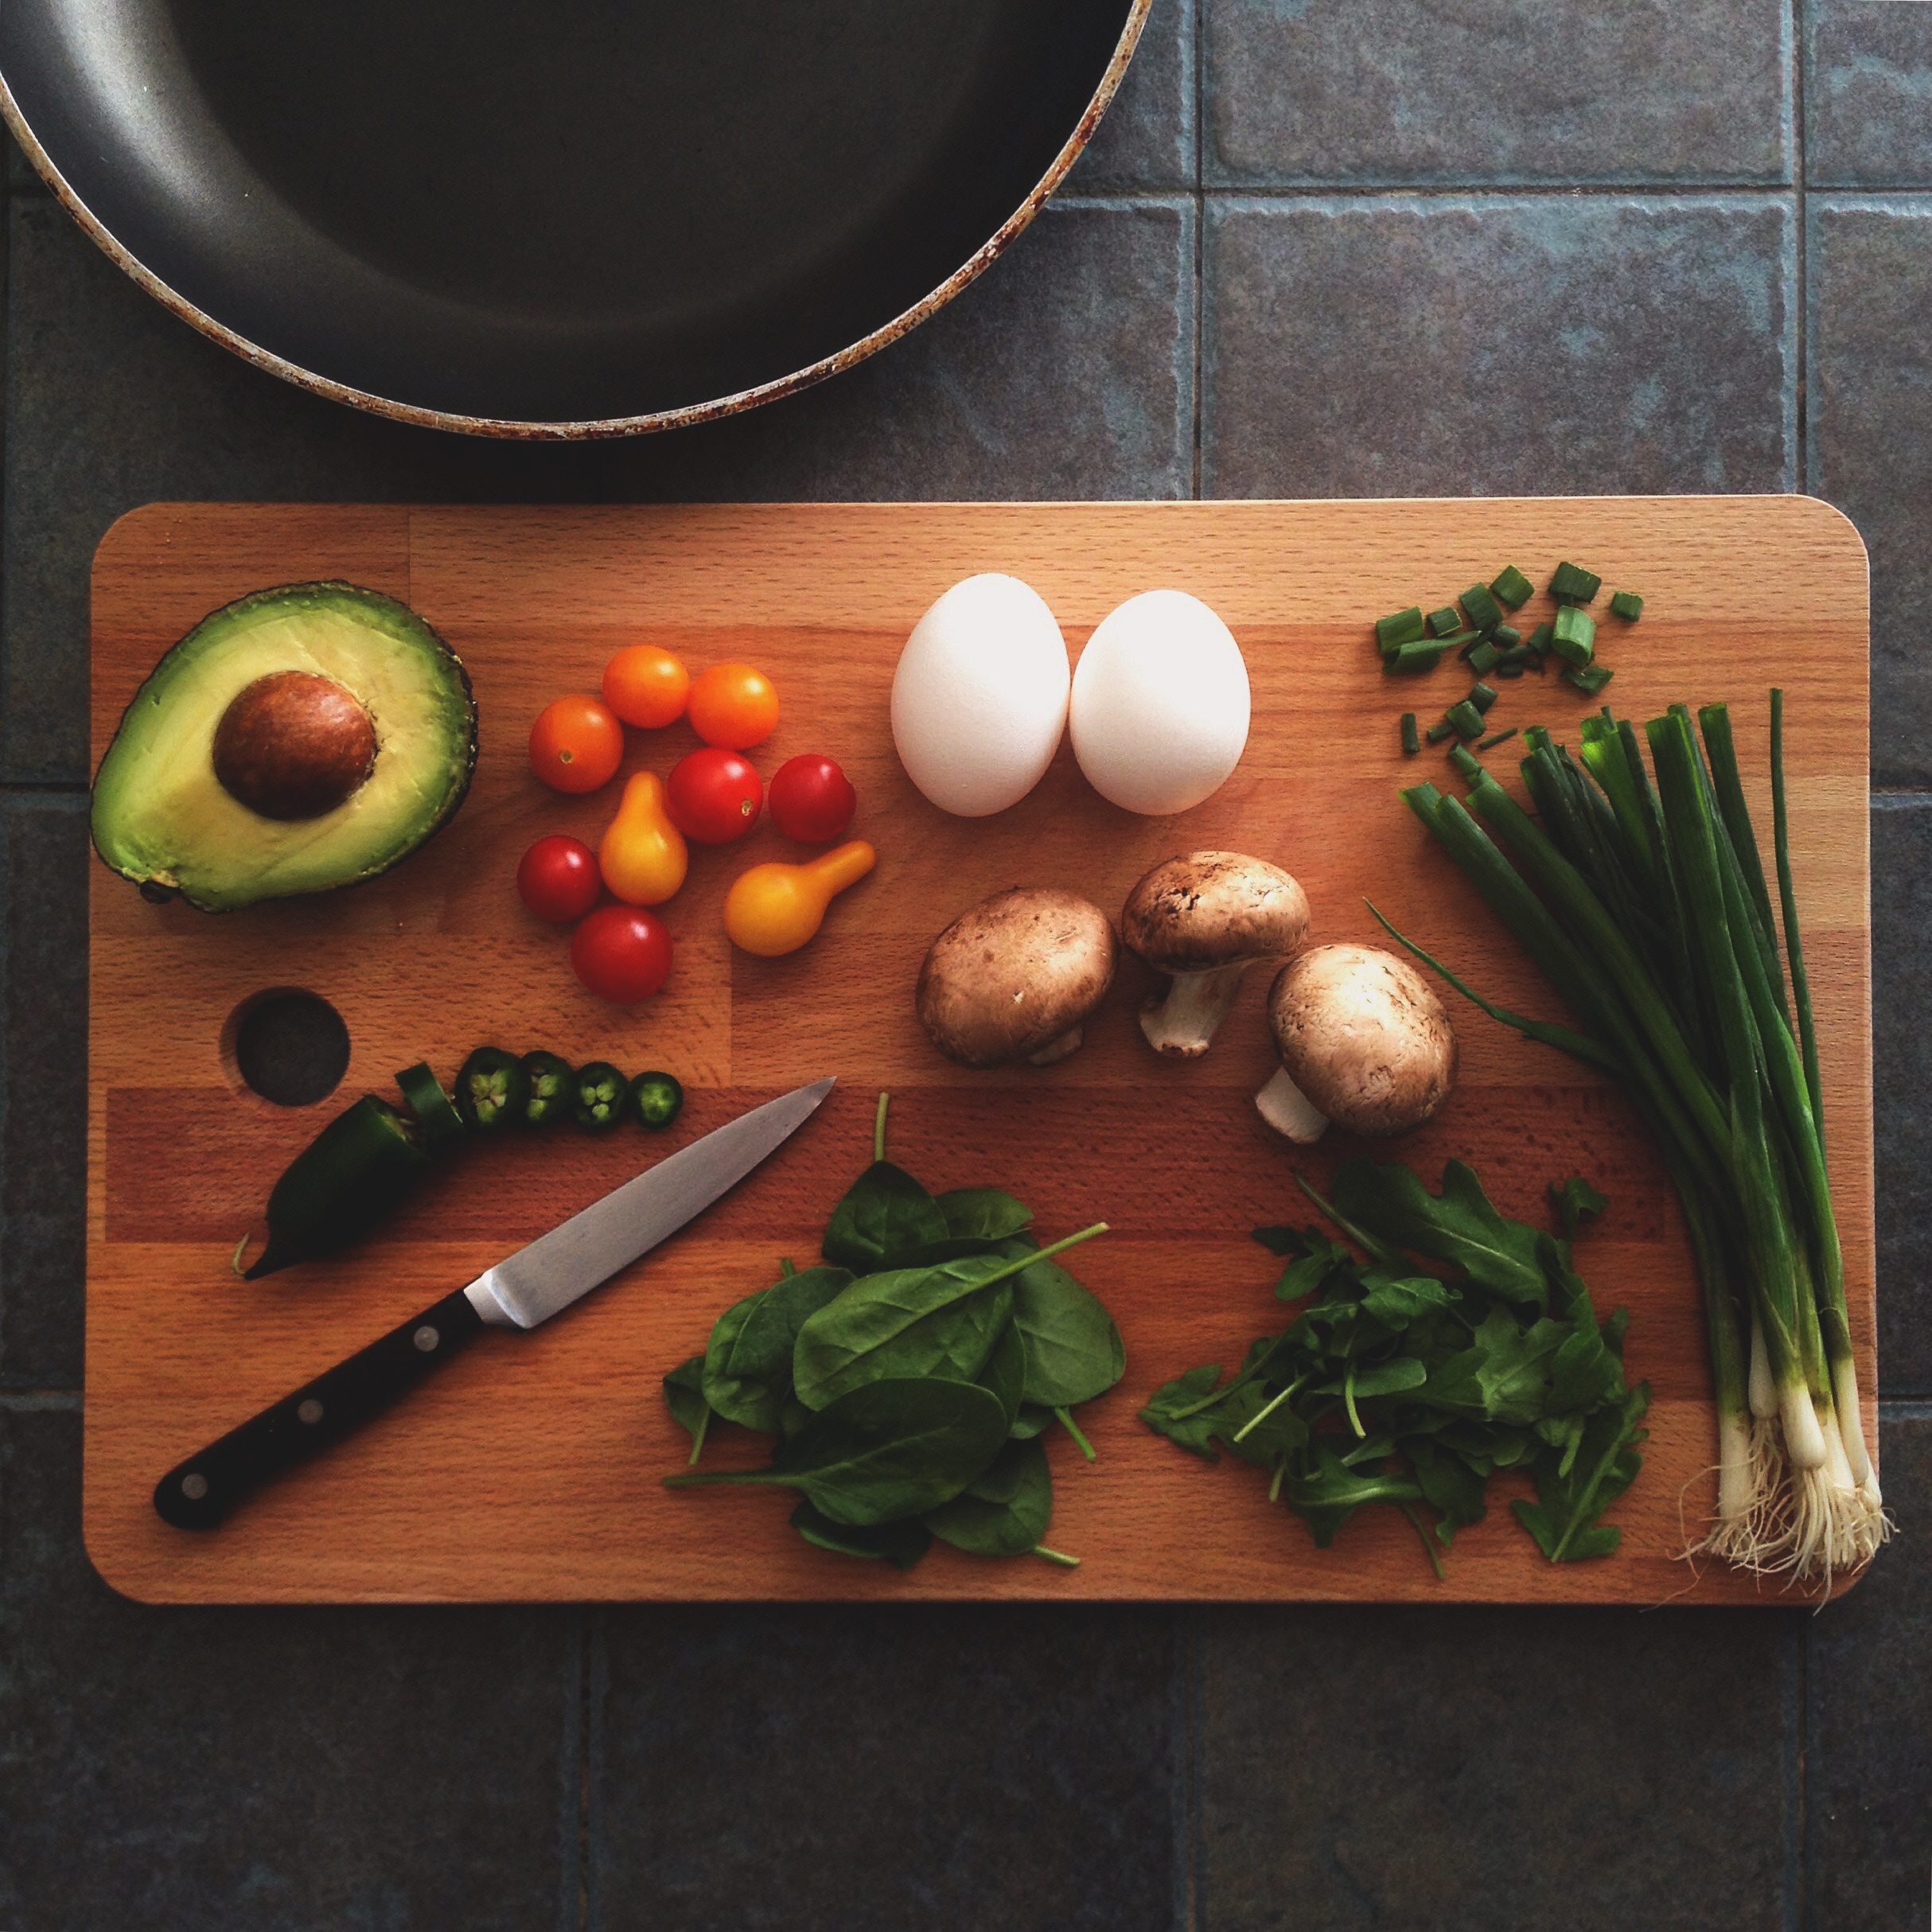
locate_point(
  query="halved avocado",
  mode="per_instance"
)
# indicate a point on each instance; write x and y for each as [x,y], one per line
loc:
[300,739]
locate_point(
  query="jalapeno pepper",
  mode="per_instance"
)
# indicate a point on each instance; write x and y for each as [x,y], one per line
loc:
[657,1100]
[352,1173]
[553,1089]
[601,1092]
[491,1091]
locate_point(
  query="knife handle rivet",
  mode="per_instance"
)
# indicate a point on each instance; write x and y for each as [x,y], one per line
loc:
[194,1487]
[425,1338]
[310,1412]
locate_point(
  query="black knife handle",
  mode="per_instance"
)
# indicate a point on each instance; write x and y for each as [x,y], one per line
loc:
[197,1493]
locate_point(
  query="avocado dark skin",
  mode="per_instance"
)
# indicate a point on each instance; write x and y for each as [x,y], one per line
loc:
[294,746]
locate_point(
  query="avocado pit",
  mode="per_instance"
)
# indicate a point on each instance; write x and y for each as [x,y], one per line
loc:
[294,746]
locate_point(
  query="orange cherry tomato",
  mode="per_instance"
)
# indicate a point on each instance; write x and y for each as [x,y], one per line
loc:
[576,744]
[773,909]
[646,686]
[643,855]
[734,706]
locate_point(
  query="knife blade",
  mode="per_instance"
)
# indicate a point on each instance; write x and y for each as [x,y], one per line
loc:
[526,1288]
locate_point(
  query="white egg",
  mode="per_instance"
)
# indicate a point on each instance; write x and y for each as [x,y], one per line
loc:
[980,698]
[1160,703]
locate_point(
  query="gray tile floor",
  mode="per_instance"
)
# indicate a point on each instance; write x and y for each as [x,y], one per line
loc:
[1321,247]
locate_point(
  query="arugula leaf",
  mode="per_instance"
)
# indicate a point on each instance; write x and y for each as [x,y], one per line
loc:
[1574,1199]
[1565,1518]
[901,1543]
[1448,1483]
[884,1217]
[1327,1495]
[1458,1226]
[1004,1513]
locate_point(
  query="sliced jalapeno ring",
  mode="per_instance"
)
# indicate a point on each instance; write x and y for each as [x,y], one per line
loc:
[439,1121]
[599,1092]
[553,1089]
[657,1100]
[491,1090]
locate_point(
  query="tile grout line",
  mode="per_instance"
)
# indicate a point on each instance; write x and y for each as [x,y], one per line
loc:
[1200,200]
[1801,445]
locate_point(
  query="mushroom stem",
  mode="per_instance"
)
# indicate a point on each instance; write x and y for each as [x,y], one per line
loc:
[1197,1003]
[1057,1049]
[1289,1111]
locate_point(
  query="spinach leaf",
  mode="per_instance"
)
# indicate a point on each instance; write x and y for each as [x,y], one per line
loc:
[902,1544]
[1073,1350]
[910,1322]
[749,1401]
[983,1213]
[886,1449]
[1031,1420]
[1004,1512]
[748,1364]
[685,1396]
[885,1217]
[1458,1226]
[1005,1373]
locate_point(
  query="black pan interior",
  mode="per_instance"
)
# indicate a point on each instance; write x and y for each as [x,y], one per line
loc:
[554,211]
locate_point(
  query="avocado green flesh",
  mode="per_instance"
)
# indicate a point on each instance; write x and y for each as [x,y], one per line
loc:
[160,816]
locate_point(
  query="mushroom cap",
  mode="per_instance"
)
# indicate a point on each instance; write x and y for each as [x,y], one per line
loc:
[1363,1035]
[1012,974]
[1208,909]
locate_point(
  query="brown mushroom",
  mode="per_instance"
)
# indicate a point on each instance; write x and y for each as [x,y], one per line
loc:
[1013,977]
[1363,1042]
[1204,918]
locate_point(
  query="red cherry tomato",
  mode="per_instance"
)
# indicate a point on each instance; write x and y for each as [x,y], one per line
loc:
[576,744]
[713,795]
[622,952]
[812,799]
[558,878]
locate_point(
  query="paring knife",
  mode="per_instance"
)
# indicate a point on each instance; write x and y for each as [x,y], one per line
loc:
[529,1287]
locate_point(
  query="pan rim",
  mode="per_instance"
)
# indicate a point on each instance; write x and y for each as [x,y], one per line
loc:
[591,429]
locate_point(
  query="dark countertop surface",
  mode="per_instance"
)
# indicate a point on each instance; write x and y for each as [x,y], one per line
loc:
[1321,248]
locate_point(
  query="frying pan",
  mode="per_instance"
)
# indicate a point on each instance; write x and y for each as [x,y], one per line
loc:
[557,218]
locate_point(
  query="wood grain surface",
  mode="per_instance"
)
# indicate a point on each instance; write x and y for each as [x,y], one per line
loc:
[531,1468]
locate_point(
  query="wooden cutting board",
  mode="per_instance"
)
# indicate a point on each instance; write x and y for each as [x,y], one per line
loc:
[530,1469]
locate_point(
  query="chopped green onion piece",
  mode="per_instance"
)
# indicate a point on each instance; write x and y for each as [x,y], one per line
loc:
[1626,604]
[1464,719]
[1573,586]
[1436,733]
[1506,669]
[1505,636]
[1573,635]
[1467,763]
[1411,742]
[1511,586]
[1484,658]
[1445,621]
[1497,737]
[1423,655]
[1590,678]
[1482,697]
[1538,640]
[1482,609]
[1402,627]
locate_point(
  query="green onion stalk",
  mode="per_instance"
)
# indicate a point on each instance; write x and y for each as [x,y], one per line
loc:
[1645,906]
